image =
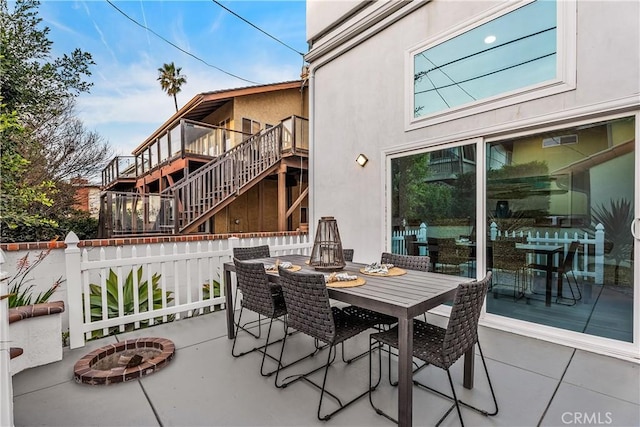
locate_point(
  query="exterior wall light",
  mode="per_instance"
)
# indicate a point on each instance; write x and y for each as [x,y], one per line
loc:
[362,160]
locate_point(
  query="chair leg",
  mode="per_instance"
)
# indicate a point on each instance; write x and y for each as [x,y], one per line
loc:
[455,403]
[573,298]
[575,281]
[373,387]
[331,356]
[261,348]
[245,326]
[480,410]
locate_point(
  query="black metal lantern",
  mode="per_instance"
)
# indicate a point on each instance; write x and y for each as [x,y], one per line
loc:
[327,252]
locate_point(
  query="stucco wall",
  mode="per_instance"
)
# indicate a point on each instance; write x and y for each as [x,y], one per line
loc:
[359,105]
[321,13]
[269,108]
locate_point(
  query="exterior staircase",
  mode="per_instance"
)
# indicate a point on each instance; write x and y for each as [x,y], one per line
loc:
[200,195]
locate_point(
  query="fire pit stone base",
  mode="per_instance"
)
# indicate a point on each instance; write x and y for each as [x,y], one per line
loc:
[105,365]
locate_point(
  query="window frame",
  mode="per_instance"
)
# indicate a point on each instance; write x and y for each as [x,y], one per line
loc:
[565,66]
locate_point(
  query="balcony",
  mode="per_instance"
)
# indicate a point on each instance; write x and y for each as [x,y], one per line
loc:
[120,169]
[125,213]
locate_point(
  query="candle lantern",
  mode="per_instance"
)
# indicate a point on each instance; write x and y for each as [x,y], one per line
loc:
[327,252]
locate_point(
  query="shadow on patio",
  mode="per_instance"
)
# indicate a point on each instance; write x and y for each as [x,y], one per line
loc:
[537,383]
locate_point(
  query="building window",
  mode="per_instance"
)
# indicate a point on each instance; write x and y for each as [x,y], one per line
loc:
[249,127]
[519,50]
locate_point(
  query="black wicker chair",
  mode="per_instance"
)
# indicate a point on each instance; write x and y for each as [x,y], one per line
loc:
[384,321]
[310,312]
[442,347]
[507,259]
[452,256]
[260,296]
[244,254]
[409,262]
[348,254]
[264,298]
[566,267]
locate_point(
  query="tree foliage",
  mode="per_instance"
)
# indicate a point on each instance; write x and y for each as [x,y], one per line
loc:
[171,80]
[43,143]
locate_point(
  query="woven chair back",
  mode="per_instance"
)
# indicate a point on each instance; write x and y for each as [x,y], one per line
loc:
[462,329]
[308,306]
[410,262]
[347,254]
[256,291]
[567,263]
[251,252]
[506,257]
[451,253]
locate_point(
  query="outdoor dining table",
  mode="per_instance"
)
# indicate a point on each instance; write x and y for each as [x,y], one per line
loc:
[405,297]
[549,251]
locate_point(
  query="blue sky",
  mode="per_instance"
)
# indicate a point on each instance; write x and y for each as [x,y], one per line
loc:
[126,103]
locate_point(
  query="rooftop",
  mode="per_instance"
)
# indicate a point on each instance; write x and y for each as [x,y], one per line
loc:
[537,384]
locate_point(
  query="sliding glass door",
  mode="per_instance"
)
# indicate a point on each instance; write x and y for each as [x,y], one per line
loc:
[543,193]
[433,207]
[556,229]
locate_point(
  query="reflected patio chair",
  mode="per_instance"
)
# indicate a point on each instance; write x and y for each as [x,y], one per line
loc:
[243,254]
[566,267]
[442,347]
[310,312]
[452,256]
[409,244]
[513,263]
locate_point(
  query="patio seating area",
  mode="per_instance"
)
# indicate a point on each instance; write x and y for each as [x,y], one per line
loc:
[536,383]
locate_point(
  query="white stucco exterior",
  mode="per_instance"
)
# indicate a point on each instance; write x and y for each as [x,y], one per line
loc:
[360,103]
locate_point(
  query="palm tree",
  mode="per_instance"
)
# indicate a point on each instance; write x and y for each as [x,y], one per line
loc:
[171,80]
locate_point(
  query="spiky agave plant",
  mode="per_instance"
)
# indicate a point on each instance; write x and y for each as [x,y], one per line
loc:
[128,301]
[616,219]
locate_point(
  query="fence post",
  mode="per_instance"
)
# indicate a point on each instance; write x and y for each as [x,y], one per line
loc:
[422,233]
[599,254]
[493,230]
[422,237]
[74,290]
[6,384]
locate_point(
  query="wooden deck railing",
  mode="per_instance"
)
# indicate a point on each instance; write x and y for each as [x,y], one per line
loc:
[199,193]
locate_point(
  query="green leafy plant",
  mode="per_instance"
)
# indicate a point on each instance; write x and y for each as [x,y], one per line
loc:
[616,219]
[20,288]
[206,294]
[128,302]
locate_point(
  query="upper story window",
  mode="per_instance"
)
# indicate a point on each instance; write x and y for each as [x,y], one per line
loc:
[519,52]
[249,127]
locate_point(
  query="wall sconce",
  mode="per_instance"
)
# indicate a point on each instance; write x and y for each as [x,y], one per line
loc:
[362,160]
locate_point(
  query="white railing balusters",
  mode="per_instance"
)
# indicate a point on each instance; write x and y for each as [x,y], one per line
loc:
[184,273]
[176,276]
[163,280]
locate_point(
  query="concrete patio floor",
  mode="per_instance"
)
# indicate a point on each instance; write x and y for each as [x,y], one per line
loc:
[537,384]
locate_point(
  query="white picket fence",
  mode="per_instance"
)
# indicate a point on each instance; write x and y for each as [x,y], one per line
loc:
[591,265]
[183,275]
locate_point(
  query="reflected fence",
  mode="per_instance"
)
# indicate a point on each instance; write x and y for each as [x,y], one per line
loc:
[592,244]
